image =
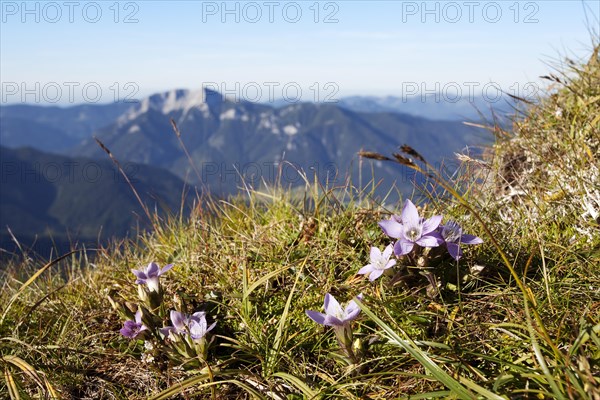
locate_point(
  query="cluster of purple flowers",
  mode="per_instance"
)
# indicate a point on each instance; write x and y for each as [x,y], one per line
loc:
[412,230]
[187,335]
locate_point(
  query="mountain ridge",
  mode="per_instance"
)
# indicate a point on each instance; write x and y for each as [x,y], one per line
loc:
[218,131]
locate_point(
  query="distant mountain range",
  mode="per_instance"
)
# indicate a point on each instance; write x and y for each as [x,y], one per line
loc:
[48,199]
[54,129]
[230,143]
[432,106]
[225,138]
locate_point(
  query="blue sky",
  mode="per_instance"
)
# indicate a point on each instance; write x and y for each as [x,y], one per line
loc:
[334,48]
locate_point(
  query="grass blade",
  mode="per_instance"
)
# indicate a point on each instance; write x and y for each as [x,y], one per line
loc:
[179,387]
[263,280]
[438,373]
[30,281]
[13,391]
[26,368]
[297,382]
[279,335]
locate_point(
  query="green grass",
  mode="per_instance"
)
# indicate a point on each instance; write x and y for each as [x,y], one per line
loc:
[518,317]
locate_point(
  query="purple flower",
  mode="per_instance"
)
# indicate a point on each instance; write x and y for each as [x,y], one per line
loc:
[452,234]
[412,230]
[379,262]
[149,276]
[194,325]
[334,314]
[339,319]
[199,329]
[131,328]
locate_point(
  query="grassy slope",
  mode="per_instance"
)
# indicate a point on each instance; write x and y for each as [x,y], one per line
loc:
[537,193]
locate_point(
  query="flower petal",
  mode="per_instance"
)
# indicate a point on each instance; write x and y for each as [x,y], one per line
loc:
[178,319]
[375,254]
[391,227]
[365,270]
[128,329]
[430,240]
[152,269]
[197,316]
[211,326]
[375,274]
[330,320]
[332,307]
[387,252]
[431,224]
[351,312]
[390,264]
[410,215]
[198,329]
[470,239]
[454,250]
[403,247]
[138,316]
[126,332]
[141,275]
[165,269]
[167,330]
[152,283]
[318,317]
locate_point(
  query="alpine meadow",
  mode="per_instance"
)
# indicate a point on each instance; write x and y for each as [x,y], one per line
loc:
[449,260]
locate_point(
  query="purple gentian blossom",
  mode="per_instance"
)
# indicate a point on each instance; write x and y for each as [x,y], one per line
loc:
[452,234]
[131,328]
[339,319]
[149,276]
[379,262]
[412,230]
[194,325]
[334,314]
[199,329]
